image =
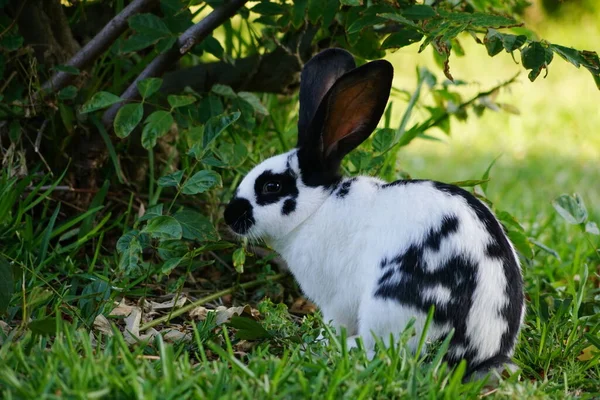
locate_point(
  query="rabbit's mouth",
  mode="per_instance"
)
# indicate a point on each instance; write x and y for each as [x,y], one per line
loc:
[238,215]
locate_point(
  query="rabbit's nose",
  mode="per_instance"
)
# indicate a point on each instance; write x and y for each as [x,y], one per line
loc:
[238,215]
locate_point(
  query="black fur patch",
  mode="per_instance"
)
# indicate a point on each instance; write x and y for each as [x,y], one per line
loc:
[288,206]
[238,215]
[287,180]
[344,188]
[402,182]
[435,236]
[500,249]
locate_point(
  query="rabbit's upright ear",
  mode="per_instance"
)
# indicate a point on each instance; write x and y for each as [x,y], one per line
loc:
[350,112]
[318,76]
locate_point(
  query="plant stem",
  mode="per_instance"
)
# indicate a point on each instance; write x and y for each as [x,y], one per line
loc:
[206,299]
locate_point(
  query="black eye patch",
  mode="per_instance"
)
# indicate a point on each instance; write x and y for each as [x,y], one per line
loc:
[287,187]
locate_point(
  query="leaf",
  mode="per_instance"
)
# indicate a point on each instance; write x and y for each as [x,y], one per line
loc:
[138,41]
[588,353]
[149,24]
[171,179]
[521,243]
[248,329]
[152,212]
[419,11]
[170,265]
[547,249]
[67,93]
[508,220]
[383,138]
[180,101]
[486,174]
[44,327]
[592,228]
[493,43]
[254,101]
[147,87]
[535,57]
[201,181]
[223,90]
[164,227]
[212,46]
[124,241]
[168,249]
[268,8]
[128,117]
[196,226]
[215,125]
[352,3]
[165,44]
[99,101]
[156,125]
[401,39]
[239,259]
[513,42]
[6,285]
[11,42]
[571,208]
[399,18]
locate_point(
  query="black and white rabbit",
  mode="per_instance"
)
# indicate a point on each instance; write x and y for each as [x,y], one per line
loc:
[371,254]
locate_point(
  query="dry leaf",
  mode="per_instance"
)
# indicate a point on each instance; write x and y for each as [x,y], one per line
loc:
[102,324]
[588,353]
[122,309]
[169,304]
[132,326]
[199,313]
[175,335]
[225,314]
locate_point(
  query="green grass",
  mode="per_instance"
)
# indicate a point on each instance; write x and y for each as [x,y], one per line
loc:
[551,148]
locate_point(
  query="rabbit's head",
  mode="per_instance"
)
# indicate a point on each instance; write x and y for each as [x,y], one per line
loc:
[340,106]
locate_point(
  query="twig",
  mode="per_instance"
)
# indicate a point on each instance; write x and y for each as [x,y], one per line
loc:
[159,65]
[204,300]
[98,45]
[14,21]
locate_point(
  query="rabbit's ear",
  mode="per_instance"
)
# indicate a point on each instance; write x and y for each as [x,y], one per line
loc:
[318,76]
[350,112]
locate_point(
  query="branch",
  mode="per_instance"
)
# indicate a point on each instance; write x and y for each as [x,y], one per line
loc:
[98,45]
[186,41]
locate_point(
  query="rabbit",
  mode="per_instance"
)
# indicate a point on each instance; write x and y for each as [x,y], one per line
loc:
[373,255]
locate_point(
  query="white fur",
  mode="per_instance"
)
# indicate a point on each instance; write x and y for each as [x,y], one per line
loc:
[334,247]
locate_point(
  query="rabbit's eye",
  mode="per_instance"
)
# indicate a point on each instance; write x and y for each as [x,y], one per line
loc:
[272,187]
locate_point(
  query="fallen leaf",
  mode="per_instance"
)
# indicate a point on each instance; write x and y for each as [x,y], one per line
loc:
[588,353]
[199,313]
[175,335]
[169,304]
[121,310]
[102,324]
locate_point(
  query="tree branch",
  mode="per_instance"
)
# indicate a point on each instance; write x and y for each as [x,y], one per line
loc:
[101,42]
[186,41]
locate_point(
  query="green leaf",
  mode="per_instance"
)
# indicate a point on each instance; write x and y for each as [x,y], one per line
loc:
[547,249]
[268,8]
[127,118]
[11,42]
[361,23]
[131,253]
[152,212]
[44,327]
[493,43]
[67,69]
[170,265]
[383,138]
[164,227]
[147,87]
[223,90]
[571,208]
[99,101]
[201,181]
[212,46]
[521,243]
[156,125]
[399,18]
[239,259]
[419,11]
[215,125]
[196,226]
[67,93]
[508,220]
[513,42]
[165,44]
[6,285]
[254,101]
[352,3]
[171,179]
[180,101]
[168,249]
[535,57]
[138,41]
[486,174]
[478,19]
[400,39]
[124,241]
[248,329]
[149,24]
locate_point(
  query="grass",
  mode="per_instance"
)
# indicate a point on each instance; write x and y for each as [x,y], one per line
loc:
[550,149]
